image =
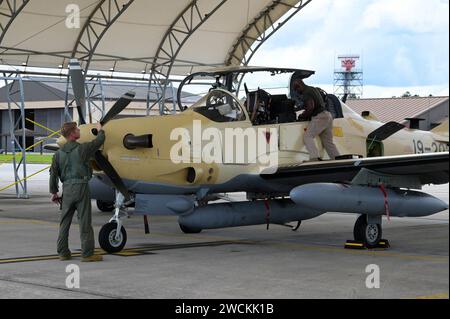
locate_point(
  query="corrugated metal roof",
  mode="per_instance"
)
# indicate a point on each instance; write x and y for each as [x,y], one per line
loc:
[46,89]
[396,109]
[34,91]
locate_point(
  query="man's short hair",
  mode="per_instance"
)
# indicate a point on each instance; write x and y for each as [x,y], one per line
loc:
[68,128]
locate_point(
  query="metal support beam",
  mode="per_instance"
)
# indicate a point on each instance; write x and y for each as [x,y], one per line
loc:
[9,10]
[96,26]
[264,26]
[93,96]
[98,23]
[17,124]
[181,29]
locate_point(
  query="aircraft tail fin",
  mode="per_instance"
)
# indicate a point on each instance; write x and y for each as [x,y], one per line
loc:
[442,129]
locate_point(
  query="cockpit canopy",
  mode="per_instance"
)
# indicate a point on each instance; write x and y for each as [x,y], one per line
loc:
[220,106]
[267,95]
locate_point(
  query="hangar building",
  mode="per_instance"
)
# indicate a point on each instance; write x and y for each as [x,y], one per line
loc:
[432,110]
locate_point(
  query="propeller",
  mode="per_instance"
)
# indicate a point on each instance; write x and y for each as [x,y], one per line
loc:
[109,170]
[78,87]
[118,107]
[101,160]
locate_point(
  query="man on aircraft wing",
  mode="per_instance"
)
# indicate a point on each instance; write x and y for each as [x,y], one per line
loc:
[321,121]
[71,165]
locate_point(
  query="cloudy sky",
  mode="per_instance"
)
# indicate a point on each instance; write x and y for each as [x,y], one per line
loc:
[404,44]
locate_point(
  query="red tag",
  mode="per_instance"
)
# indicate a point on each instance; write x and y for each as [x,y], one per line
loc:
[268,135]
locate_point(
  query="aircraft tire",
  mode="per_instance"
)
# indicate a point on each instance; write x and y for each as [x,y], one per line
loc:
[106,238]
[369,234]
[188,230]
[106,207]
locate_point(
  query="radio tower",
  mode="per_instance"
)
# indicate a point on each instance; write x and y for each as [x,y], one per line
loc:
[348,80]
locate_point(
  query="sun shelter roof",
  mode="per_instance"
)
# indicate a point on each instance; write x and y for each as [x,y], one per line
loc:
[160,37]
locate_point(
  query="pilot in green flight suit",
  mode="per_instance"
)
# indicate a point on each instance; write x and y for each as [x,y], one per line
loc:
[71,165]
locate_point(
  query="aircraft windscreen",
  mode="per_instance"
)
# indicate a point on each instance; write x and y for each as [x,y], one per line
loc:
[220,106]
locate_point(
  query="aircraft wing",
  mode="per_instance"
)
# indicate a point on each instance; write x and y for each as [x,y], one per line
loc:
[430,168]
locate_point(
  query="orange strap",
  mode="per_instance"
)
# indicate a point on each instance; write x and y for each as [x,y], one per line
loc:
[266,204]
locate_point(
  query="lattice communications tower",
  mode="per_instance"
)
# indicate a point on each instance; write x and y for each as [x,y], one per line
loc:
[348,79]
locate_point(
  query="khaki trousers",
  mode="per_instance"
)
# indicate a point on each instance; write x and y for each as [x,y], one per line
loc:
[76,197]
[321,125]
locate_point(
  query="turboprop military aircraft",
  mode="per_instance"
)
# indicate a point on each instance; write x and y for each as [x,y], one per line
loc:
[183,164]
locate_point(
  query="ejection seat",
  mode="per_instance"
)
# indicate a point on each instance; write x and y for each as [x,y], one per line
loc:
[281,109]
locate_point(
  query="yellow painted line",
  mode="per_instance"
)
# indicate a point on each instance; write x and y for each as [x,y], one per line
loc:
[11,185]
[42,126]
[435,296]
[36,258]
[124,253]
[97,251]
[299,246]
[41,141]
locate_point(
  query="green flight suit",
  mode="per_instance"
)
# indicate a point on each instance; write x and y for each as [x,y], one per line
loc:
[71,165]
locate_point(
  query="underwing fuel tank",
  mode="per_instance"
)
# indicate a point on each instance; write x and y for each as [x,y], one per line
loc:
[331,197]
[246,213]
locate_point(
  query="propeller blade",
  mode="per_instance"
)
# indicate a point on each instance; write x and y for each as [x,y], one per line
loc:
[118,107]
[78,87]
[109,170]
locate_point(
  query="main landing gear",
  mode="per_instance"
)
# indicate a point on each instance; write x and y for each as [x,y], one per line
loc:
[113,236]
[368,233]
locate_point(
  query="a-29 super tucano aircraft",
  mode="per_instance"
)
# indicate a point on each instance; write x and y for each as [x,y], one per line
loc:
[182,164]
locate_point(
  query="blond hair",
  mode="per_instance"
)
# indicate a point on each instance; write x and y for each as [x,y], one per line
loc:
[68,128]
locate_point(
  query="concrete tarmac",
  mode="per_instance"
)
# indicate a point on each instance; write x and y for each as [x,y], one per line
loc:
[243,262]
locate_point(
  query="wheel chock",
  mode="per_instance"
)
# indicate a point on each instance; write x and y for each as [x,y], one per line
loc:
[353,244]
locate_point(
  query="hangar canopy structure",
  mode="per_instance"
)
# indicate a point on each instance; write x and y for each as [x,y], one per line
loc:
[160,38]
[157,39]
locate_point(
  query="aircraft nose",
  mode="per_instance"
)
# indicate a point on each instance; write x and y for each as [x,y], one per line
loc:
[87,133]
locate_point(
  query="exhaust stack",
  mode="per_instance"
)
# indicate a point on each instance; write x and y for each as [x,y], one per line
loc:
[132,142]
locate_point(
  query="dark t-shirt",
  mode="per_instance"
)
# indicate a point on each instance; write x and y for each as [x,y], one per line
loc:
[312,93]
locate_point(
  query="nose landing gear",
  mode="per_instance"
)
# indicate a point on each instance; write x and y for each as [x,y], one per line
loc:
[113,236]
